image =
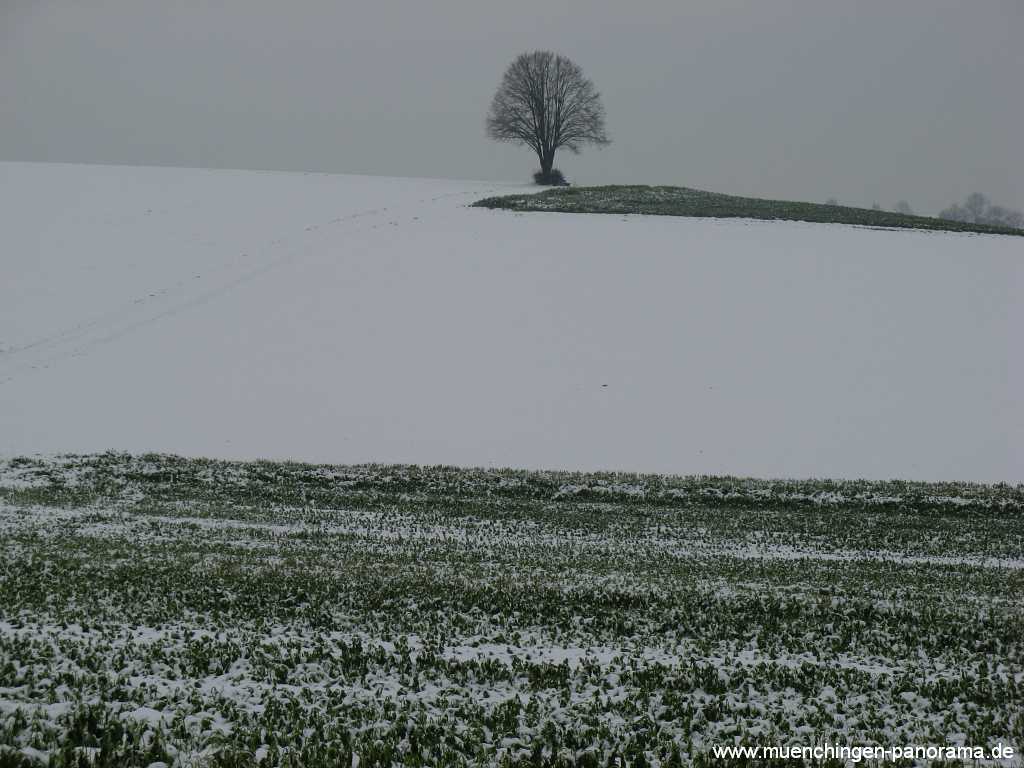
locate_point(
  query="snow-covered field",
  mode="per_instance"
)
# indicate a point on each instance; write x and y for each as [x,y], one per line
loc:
[345,319]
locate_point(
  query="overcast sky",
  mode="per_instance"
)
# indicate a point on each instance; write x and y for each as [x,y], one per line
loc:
[864,101]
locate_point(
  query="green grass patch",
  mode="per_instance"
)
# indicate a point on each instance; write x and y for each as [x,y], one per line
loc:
[191,612]
[683,201]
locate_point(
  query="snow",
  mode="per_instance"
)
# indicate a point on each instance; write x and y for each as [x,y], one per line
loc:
[397,529]
[349,319]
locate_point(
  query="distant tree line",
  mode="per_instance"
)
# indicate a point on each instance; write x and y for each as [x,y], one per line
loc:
[901,207]
[978,209]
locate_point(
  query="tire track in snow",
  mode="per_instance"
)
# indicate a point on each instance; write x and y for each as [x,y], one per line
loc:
[76,340]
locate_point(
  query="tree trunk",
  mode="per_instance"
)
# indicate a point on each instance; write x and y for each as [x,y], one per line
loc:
[547,159]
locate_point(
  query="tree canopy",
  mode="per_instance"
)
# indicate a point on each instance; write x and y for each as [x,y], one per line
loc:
[545,102]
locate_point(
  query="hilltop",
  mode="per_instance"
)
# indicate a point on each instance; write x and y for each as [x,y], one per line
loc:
[330,318]
[683,201]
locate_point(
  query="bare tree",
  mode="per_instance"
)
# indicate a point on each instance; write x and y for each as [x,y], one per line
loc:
[903,207]
[545,102]
[976,205]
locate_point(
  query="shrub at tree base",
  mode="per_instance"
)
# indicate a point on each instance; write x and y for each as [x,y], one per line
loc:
[552,178]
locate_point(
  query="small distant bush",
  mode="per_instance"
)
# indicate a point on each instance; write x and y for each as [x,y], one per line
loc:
[552,178]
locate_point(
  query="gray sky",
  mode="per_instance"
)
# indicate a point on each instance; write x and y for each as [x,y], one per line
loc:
[864,101]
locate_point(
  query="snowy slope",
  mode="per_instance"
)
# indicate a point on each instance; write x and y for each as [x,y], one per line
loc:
[350,319]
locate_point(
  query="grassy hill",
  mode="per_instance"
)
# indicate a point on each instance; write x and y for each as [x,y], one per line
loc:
[683,201]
